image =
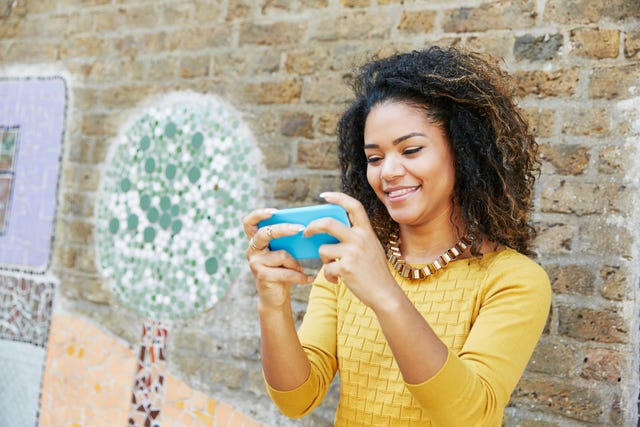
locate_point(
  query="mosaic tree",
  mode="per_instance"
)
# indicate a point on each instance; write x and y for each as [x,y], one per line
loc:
[168,230]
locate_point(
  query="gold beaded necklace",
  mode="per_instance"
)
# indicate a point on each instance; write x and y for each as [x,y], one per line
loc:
[417,273]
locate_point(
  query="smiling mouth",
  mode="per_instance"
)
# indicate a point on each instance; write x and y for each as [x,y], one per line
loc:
[402,192]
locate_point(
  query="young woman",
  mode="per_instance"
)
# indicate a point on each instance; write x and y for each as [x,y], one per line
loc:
[429,307]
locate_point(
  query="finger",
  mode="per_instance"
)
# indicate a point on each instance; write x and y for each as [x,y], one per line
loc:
[276,259]
[330,226]
[330,253]
[283,276]
[331,271]
[265,235]
[278,266]
[251,220]
[357,215]
[253,248]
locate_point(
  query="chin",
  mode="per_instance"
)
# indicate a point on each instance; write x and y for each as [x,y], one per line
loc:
[402,218]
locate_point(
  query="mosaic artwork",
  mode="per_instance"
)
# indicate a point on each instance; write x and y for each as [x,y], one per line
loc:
[168,228]
[148,385]
[88,376]
[25,316]
[32,120]
[169,232]
[88,382]
[8,150]
[25,310]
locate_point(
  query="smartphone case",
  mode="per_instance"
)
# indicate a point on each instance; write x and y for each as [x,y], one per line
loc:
[298,246]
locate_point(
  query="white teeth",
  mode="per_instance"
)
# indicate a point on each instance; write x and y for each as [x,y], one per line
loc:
[401,191]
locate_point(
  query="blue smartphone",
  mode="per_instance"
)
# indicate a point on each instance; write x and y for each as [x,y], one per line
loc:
[298,246]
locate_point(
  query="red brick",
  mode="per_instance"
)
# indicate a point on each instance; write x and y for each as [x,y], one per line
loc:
[555,239]
[595,43]
[601,364]
[559,83]
[615,82]
[632,44]
[588,324]
[194,38]
[566,159]
[537,48]
[417,22]
[308,61]
[325,90]
[296,125]
[358,25]
[571,279]
[589,11]
[541,121]
[318,155]
[272,34]
[615,283]
[556,357]
[586,121]
[355,3]
[292,189]
[501,14]
[562,398]
[273,92]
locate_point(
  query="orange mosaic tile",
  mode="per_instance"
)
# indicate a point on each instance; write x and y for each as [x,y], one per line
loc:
[87,378]
[184,406]
[90,375]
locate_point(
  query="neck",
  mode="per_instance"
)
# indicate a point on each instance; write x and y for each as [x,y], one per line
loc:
[426,244]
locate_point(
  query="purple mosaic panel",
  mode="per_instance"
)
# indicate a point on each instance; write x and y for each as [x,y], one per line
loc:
[25,310]
[37,106]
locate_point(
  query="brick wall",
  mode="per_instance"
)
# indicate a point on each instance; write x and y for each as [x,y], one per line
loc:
[283,65]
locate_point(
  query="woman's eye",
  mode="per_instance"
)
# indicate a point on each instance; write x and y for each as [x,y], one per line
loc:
[373,159]
[412,150]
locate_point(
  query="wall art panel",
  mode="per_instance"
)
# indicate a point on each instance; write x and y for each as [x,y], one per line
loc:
[32,122]
[25,316]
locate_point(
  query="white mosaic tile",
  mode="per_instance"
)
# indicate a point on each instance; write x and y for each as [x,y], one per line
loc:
[20,379]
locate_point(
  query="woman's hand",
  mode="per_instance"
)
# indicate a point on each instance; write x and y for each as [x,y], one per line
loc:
[284,362]
[274,271]
[359,259]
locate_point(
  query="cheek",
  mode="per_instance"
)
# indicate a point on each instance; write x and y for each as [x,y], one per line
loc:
[372,178]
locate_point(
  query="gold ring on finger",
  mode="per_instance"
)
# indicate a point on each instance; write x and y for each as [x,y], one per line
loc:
[252,243]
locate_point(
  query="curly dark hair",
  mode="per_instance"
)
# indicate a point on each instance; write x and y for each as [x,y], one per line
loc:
[495,152]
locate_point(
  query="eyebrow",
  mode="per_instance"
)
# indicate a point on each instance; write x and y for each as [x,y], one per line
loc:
[398,140]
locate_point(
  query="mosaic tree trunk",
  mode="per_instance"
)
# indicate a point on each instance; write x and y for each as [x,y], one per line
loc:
[148,385]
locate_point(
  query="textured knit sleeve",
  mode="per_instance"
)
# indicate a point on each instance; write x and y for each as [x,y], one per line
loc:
[474,386]
[317,334]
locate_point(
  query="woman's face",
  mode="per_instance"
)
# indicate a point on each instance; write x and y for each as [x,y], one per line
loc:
[410,165]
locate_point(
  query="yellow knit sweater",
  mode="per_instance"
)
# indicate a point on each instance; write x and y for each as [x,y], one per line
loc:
[489,312]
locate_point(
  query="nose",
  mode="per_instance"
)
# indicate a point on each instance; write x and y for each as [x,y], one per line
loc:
[392,168]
